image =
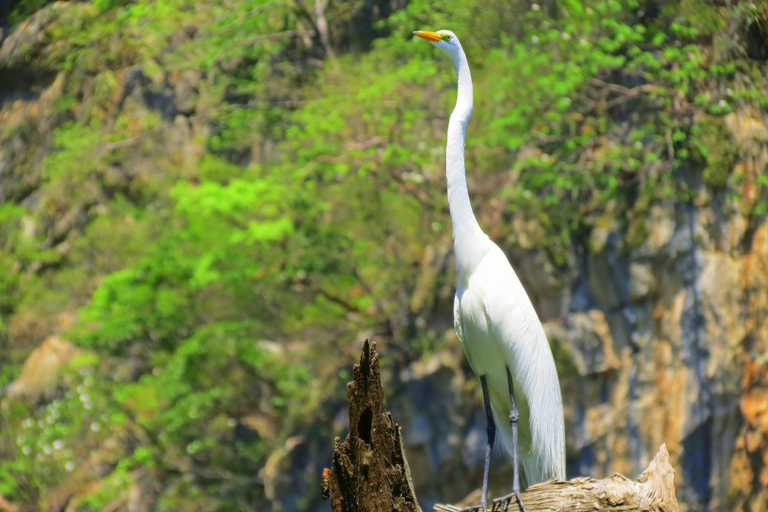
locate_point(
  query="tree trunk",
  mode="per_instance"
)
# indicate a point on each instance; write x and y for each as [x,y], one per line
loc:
[370,471]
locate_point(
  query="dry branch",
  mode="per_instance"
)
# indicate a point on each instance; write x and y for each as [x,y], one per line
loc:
[370,471]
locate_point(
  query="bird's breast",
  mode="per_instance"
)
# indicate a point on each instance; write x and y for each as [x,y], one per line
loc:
[483,351]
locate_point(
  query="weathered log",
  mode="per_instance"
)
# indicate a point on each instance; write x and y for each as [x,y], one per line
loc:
[654,491]
[370,471]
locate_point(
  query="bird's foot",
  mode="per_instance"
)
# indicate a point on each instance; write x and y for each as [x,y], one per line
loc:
[484,502]
[513,496]
[482,507]
[503,504]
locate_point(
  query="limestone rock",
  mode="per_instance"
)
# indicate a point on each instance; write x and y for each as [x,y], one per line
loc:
[641,280]
[41,372]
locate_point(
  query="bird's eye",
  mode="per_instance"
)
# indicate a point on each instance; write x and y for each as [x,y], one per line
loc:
[445,37]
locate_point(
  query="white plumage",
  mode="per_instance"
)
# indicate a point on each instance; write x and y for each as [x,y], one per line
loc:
[493,315]
[498,327]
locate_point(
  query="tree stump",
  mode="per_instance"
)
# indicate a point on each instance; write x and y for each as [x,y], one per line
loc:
[370,471]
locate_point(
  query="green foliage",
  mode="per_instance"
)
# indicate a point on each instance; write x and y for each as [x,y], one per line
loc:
[55,441]
[146,303]
[562,109]
[717,146]
[10,219]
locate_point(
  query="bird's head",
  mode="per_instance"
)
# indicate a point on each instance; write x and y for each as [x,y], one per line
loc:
[445,40]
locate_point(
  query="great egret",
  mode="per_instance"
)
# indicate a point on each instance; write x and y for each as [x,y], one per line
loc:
[495,320]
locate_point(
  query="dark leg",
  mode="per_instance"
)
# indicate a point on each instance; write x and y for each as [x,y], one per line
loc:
[514,419]
[491,429]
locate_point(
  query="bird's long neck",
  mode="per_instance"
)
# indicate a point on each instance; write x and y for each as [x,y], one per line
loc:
[468,239]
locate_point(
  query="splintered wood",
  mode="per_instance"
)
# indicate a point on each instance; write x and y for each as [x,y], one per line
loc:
[654,491]
[370,472]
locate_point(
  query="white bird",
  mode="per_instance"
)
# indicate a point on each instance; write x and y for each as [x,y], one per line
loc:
[502,336]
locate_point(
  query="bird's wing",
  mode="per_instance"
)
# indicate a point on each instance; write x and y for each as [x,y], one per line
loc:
[517,329]
[457,323]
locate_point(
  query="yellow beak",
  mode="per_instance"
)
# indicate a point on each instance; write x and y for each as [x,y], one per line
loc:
[429,36]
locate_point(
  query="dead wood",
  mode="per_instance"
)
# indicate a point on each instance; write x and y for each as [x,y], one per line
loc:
[369,472]
[654,491]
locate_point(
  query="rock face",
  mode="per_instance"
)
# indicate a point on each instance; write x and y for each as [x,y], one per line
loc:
[27,96]
[41,373]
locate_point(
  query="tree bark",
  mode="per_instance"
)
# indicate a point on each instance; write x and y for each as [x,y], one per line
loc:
[370,471]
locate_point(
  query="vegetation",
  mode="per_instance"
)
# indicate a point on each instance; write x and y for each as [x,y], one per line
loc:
[220,192]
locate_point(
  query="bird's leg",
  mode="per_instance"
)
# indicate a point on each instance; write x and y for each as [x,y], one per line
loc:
[491,430]
[514,419]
